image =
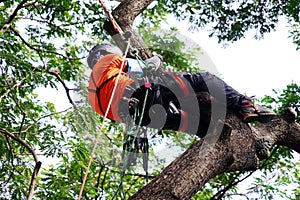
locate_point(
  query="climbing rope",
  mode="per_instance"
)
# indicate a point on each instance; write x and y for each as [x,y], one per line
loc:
[144,147]
[104,120]
[110,17]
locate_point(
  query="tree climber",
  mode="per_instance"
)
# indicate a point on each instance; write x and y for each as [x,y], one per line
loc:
[158,96]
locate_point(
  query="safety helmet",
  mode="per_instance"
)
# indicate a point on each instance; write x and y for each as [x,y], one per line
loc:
[101,50]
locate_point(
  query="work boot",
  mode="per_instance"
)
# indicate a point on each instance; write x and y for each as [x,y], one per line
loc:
[253,112]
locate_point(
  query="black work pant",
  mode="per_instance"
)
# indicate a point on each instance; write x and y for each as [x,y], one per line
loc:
[205,81]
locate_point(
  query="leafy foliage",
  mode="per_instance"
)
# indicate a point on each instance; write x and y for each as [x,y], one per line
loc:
[177,54]
[42,47]
[229,20]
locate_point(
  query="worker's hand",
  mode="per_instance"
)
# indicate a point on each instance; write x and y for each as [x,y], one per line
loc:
[154,63]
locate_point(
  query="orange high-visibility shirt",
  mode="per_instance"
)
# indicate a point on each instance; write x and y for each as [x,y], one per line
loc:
[104,77]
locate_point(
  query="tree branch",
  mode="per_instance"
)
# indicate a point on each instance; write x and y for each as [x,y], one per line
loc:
[40,50]
[56,74]
[12,87]
[283,130]
[12,17]
[11,153]
[43,117]
[22,123]
[182,183]
[33,179]
[44,21]
[37,162]
[292,137]
[22,142]
[1,1]
[98,180]
[188,173]
[67,89]
[22,112]
[124,14]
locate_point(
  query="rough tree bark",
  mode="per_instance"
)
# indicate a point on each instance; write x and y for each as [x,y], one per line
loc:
[124,15]
[240,146]
[239,149]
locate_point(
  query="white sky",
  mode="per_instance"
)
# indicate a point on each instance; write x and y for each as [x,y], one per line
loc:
[251,66]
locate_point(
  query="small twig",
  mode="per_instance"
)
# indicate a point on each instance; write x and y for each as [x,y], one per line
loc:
[7,180]
[22,112]
[44,21]
[40,50]
[45,116]
[103,180]
[130,174]
[12,154]
[67,89]
[12,160]
[22,123]
[98,180]
[52,73]
[222,192]
[64,85]
[29,4]
[178,140]
[131,185]
[12,87]
[243,195]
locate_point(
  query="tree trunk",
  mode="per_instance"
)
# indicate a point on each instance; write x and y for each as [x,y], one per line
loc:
[124,14]
[239,148]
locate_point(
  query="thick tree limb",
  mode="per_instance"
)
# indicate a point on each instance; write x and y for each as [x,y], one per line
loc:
[189,172]
[283,130]
[124,14]
[128,10]
[181,182]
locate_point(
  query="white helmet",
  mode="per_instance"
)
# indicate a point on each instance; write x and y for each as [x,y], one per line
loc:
[100,50]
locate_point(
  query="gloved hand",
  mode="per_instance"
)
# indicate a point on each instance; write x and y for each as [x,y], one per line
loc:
[154,63]
[154,69]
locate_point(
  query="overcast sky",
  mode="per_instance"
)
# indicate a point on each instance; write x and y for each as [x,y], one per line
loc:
[251,66]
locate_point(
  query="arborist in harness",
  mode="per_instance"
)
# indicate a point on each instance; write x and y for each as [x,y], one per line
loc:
[141,97]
